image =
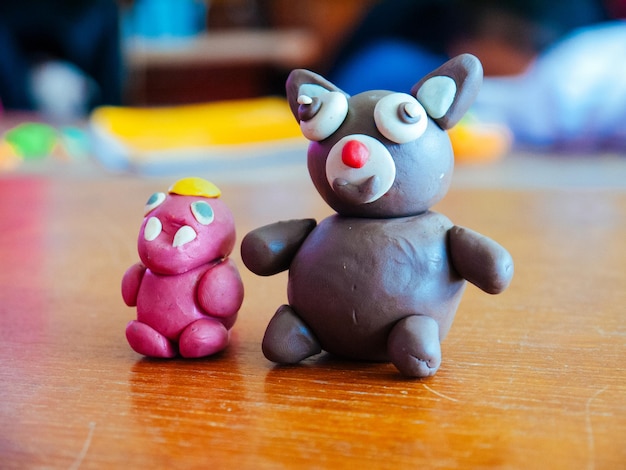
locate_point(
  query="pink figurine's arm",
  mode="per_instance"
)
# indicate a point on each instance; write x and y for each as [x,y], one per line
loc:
[131,282]
[480,260]
[270,249]
[220,290]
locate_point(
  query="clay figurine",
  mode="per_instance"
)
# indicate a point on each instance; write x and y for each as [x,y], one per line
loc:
[382,278]
[186,289]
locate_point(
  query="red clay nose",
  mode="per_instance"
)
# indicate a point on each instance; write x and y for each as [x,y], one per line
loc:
[355,154]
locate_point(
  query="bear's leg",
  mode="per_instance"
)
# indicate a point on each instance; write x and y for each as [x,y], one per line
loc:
[147,341]
[413,346]
[202,338]
[288,339]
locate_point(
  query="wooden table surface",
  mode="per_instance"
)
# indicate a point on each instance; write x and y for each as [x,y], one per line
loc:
[532,378]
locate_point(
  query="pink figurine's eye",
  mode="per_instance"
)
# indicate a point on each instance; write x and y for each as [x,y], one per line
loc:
[154,201]
[202,212]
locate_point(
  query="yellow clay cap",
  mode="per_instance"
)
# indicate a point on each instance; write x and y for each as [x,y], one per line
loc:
[194,186]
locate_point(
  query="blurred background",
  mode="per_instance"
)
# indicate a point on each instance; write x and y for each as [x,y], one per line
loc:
[555,71]
[146,52]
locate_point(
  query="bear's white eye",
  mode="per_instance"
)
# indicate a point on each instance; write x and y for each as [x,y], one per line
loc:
[320,116]
[202,212]
[154,201]
[400,118]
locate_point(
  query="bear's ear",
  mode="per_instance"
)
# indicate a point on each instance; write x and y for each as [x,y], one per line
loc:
[305,82]
[448,92]
[319,106]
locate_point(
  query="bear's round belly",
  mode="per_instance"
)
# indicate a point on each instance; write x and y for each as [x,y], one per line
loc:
[353,279]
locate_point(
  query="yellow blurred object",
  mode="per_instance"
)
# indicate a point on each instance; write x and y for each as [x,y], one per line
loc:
[194,186]
[199,137]
[476,142]
[200,125]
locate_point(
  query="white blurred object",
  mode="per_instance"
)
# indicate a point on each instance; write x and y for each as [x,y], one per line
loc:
[573,96]
[61,90]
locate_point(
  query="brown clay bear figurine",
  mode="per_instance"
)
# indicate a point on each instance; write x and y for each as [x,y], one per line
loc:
[381,279]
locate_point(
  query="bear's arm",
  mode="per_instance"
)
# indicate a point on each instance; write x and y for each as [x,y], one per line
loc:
[480,260]
[270,249]
[131,282]
[220,290]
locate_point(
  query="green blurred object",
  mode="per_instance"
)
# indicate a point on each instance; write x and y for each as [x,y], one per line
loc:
[32,140]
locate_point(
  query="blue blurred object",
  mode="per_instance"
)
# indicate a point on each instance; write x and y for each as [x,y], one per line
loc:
[165,19]
[359,73]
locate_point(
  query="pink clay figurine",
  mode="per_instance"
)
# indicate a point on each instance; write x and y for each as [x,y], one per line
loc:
[186,289]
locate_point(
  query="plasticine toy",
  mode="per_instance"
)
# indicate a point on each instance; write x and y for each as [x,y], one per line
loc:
[380,280]
[186,289]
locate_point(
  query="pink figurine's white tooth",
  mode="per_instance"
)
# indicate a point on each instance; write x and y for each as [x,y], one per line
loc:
[184,235]
[153,229]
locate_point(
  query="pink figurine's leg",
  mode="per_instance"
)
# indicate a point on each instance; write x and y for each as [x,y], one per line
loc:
[147,341]
[202,338]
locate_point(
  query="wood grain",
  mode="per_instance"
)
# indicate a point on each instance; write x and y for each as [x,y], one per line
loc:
[532,378]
